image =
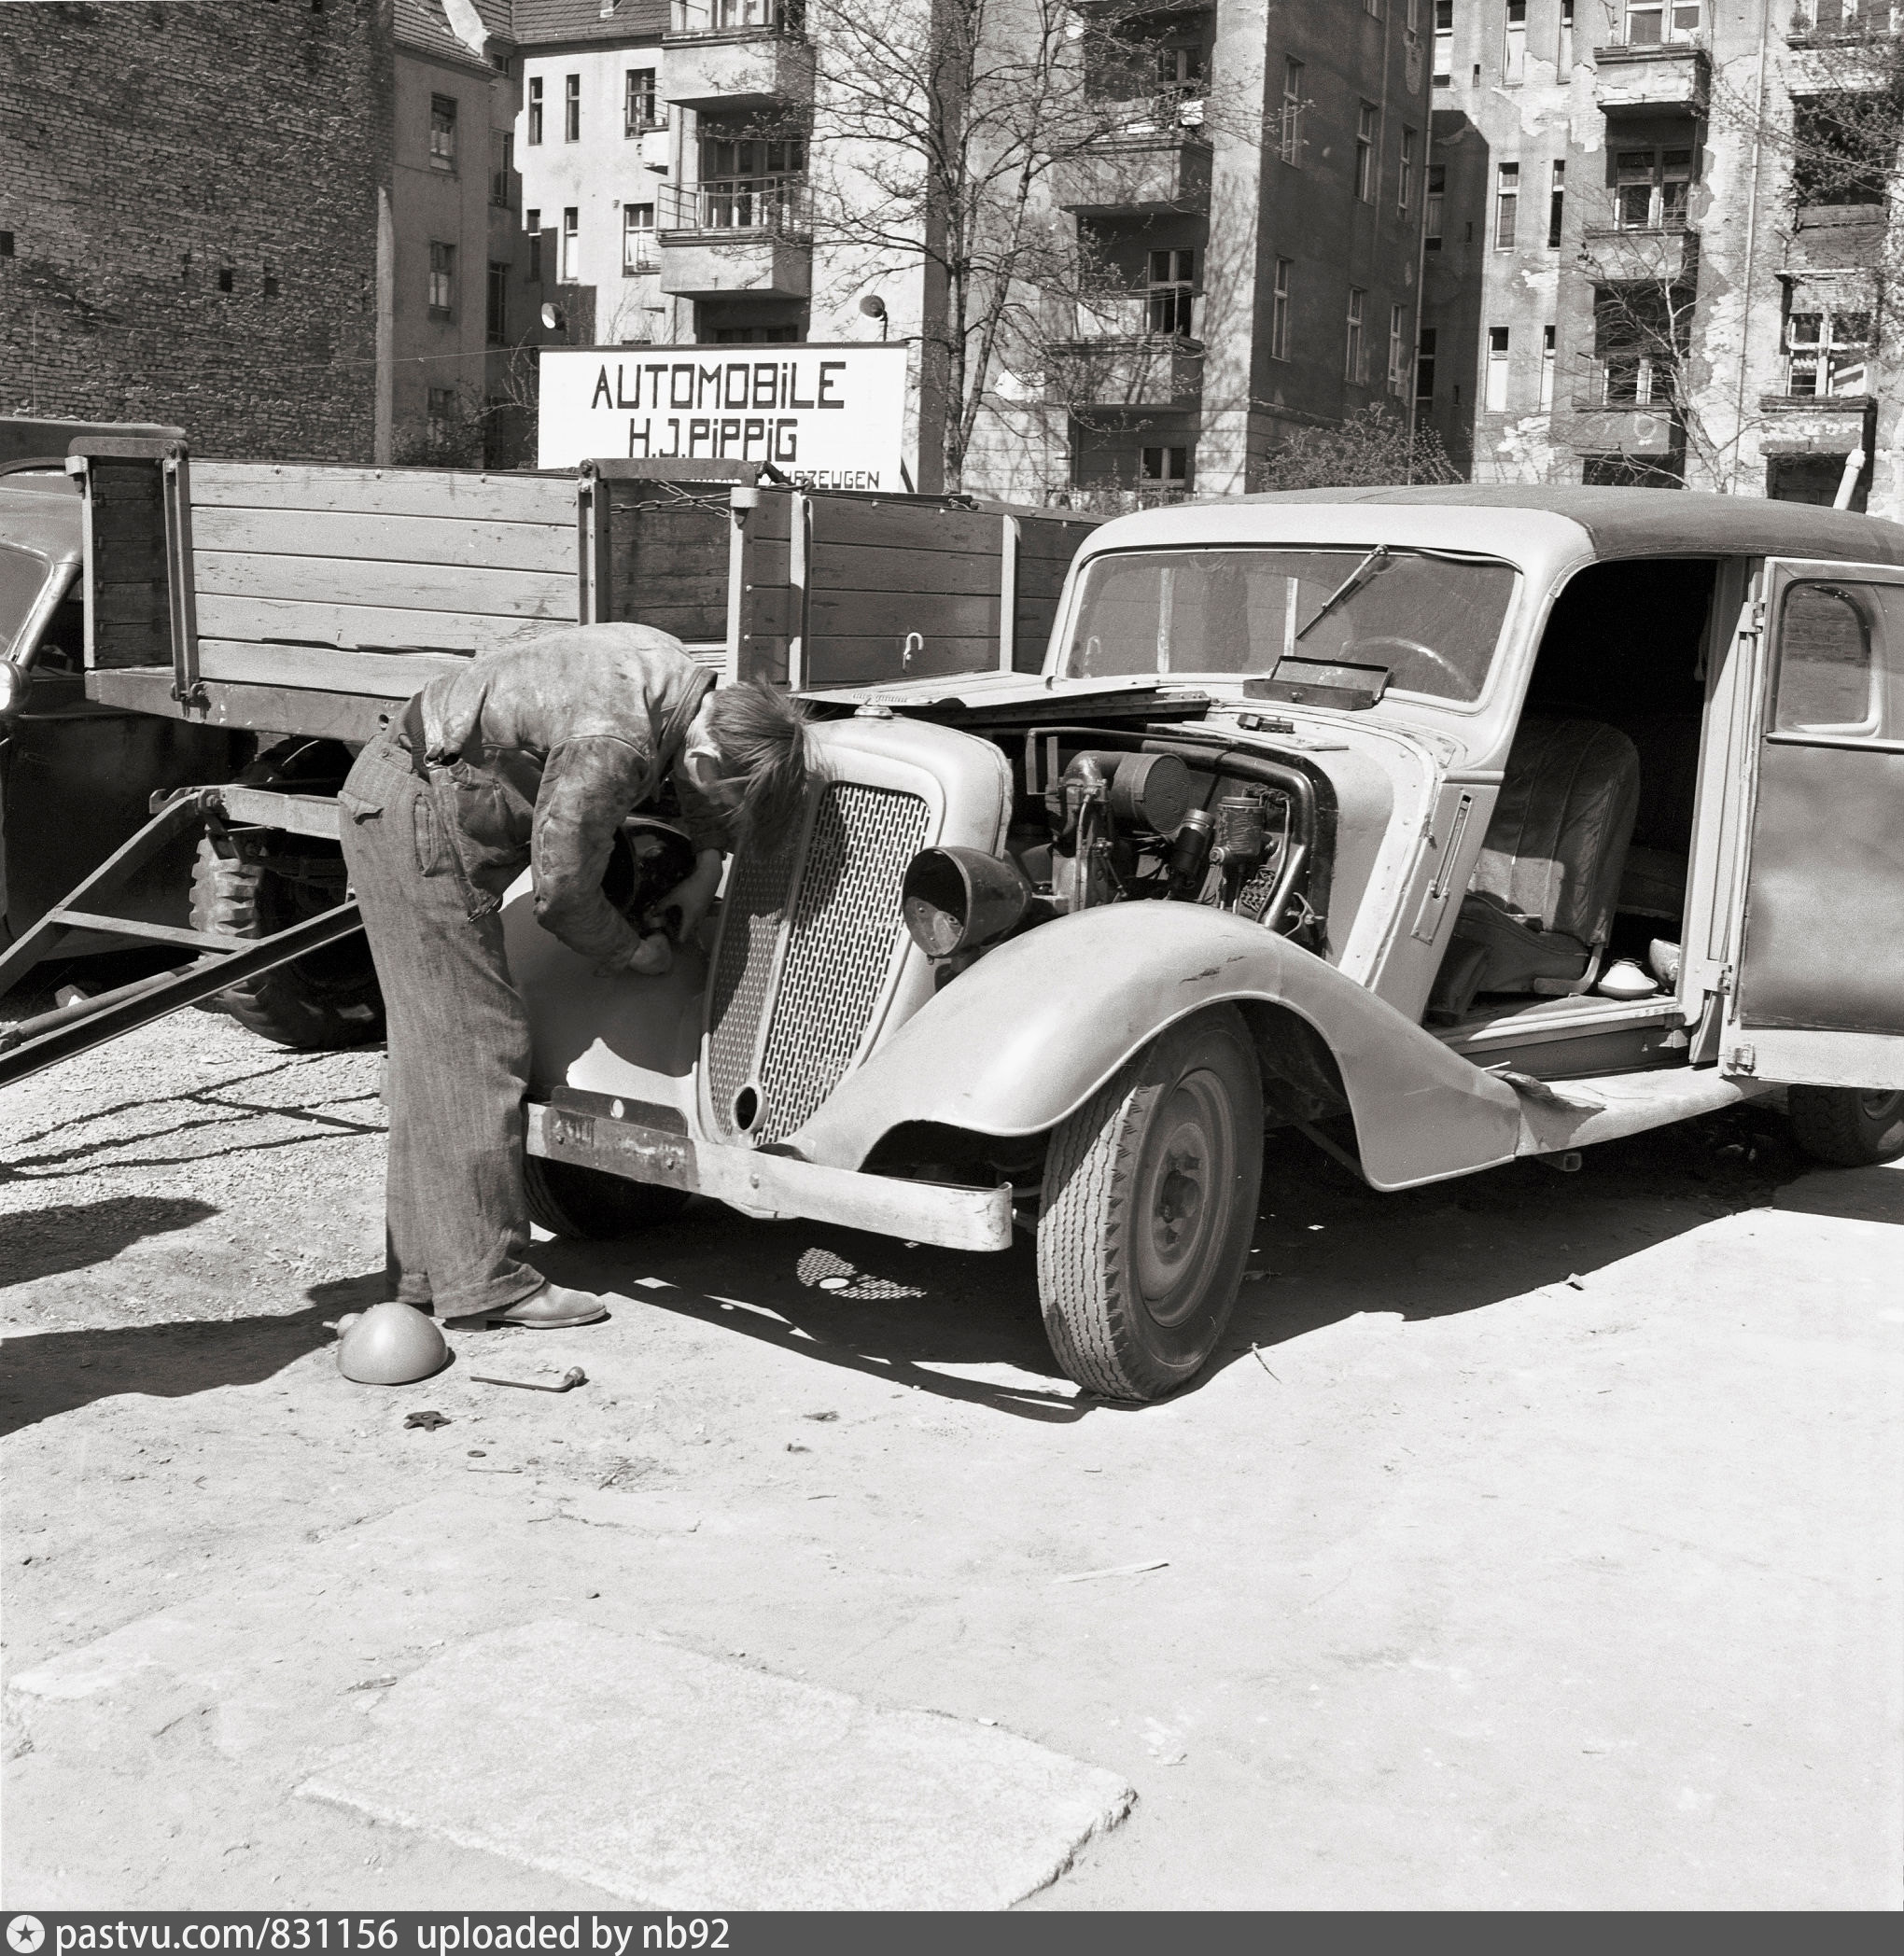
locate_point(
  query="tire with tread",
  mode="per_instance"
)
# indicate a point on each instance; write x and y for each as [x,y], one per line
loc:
[587,1205]
[1151,1190]
[1847,1127]
[327,999]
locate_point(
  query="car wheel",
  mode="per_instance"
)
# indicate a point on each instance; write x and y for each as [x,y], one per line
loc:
[1846,1126]
[1150,1203]
[569,1200]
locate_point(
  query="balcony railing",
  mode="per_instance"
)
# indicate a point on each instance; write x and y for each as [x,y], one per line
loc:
[1181,106]
[698,19]
[775,207]
[1166,312]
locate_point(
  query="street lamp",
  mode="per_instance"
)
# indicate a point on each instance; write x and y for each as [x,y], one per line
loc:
[874,308]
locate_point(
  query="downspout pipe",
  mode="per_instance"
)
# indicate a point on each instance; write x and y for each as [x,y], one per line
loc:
[1751,240]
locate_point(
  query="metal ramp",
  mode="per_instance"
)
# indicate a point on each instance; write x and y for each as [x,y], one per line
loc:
[222,960]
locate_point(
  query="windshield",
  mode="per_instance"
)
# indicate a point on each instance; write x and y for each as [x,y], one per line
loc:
[1432,620]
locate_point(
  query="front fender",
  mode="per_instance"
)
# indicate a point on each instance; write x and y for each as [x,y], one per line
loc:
[1036,1027]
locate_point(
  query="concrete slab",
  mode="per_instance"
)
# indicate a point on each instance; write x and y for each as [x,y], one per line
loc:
[678,1781]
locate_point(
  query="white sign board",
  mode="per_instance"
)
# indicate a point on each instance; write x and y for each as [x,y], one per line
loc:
[831,417]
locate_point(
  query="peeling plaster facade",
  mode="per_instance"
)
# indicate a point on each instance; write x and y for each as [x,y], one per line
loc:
[1514,372]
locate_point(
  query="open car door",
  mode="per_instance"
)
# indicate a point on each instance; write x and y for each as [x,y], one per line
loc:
[1817,995]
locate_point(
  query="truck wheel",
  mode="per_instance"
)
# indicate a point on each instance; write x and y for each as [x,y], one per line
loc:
[571,1201]
[1150,1202]
[1847,1127]
[330,998]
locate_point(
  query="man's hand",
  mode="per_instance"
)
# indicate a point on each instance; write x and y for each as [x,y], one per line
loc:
[653,957]
[684,908]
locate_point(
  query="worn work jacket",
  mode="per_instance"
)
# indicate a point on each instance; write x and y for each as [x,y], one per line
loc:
[539,750]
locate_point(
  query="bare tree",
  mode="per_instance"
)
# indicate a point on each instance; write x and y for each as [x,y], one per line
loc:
[939,136]
[1373,449]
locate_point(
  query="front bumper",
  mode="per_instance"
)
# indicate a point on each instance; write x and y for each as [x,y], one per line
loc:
[772,1186]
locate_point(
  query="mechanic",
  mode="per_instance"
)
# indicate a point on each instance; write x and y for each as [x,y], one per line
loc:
[529,757]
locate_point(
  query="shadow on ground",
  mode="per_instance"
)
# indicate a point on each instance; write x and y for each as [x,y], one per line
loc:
[1330,1247]
[49,1373]
[74,1235]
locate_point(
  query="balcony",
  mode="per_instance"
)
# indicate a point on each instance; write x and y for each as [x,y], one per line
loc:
[1660,79]
[737,54]
[1661,255]
[737,236]
[1127,349]
[1640,432]
[1155,162]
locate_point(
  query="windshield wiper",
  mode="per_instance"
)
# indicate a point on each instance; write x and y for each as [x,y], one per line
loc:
[1370,565]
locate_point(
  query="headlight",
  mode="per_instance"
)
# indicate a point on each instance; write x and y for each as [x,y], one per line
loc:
[960,900]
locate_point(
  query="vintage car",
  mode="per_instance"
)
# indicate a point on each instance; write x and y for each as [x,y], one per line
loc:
[1444,826]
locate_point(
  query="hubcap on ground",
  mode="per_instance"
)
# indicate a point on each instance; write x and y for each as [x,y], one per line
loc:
[1183,1194]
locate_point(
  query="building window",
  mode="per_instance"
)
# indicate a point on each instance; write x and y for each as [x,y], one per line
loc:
[1514,44]
[1649,22]
[1172,292]
[1397,353]
[5,243]
[1495,396]
[1168,468]
[1367,126]
[1424,366]
[1641,334]
[441,413]
[496,315]
[1506,204]
[535,108]
[637,238]
[1555,209]
[228,278]
[1565,50]
[571,109]
[442,132]
[1405,194]
[1279,310]
[1354,355]
[1546,370]
[571,226]
[502,170]
[1826,353]
[1292,112]
[1444,44]
[642,107]
[1437,197]
[532,223]
[442,279]
[1651,187]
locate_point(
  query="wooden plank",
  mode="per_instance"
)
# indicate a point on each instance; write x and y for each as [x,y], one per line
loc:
[127,603]
[266,710]
[384,491]
[400,540]
[856,614]
[852,566]
[902,527]
[127,523]
[385,675]
[413,587]
[124,481]
[148,643]
[851,662]
[354,626]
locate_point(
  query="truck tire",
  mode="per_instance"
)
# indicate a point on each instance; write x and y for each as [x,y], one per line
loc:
[1150,1202]
[326,1000]
[1847,1127]
[586,1204]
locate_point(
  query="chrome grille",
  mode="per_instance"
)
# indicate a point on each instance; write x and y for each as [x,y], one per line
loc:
[840,933]
[751,913]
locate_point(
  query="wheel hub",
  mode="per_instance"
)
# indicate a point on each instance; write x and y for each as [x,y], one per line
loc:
[1182,1197]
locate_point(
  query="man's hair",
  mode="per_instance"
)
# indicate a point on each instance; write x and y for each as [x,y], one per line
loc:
[766,745]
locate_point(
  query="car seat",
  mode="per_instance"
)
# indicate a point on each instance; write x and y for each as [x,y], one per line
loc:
[1540,904]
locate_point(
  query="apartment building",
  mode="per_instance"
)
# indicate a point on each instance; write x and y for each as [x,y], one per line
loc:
[1263,215]
[1636,271]
[455,387]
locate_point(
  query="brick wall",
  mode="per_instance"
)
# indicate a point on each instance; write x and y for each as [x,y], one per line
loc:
[149,154]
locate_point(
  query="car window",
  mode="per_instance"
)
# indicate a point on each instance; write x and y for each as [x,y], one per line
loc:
[1826,674]
[1433,621]
[23,575]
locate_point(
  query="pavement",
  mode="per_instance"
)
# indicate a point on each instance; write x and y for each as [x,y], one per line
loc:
[1534,1541]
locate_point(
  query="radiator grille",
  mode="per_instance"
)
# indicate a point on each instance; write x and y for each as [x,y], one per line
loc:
[840,938]
[751,913]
